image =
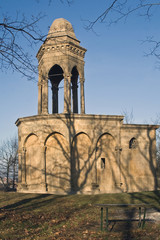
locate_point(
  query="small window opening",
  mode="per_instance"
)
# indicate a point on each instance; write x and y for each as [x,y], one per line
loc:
[102,163]
[133,143]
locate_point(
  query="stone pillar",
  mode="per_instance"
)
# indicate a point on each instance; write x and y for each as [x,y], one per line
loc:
[75,98]
[19,166]
[40,93]
[22,185]
[43,167]
[39,98]
[118,166]
[67,93]
[45,95]
[82,96]
[23,166]
[55,98]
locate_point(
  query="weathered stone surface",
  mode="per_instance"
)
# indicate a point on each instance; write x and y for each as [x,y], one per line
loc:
[73,152]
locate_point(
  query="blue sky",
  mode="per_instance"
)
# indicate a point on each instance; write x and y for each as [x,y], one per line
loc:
[117,75]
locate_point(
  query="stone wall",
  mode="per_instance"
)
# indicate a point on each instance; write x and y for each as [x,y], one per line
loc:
[73,153]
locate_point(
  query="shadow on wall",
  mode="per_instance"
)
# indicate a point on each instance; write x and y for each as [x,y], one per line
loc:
[87,162]
[86,155]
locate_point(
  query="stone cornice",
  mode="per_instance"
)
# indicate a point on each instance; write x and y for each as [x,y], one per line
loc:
[140,126]
[86,116]
[53,38]
[64,46]
[71,116]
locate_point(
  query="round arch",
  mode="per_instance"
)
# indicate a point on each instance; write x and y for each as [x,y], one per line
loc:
[28,136]
[106,166]
[81,161]
[32,160]
[55,76]
[57,162]
[133,143]
[79,134]
[51,135]
[106,133]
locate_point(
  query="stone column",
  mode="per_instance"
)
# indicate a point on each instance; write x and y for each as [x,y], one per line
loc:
[23,166]
[22,185]
[67,93]
[55,98]
[19,167]
[40,92]
[82,96]
[39,98]
[75,98]
[45,95]
[43,167]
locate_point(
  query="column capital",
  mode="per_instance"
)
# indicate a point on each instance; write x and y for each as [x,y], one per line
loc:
[82,79]
[67,75]
[45,81]
[43,74]
[24,149]
[39,84]
[20,151]
[42,148]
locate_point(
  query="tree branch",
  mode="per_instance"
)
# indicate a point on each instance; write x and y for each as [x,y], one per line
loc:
[13,38]
[121,9]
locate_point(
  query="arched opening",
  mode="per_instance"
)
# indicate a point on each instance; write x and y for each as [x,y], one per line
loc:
[81,164]
[74,81]
[133,143]
[107,171]
[57,163]
[55,76]
[32,164]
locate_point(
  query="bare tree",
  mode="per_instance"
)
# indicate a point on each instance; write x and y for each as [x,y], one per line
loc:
[128,116]
[69,2]
[119,10]
[157,121]
[9,163]
[15,34]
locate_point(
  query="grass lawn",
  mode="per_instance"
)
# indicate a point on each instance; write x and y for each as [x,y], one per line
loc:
[42,216]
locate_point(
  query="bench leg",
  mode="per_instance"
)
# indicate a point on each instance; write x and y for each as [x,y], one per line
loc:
[101,218]
[107,219]
[144,220]
[139,224]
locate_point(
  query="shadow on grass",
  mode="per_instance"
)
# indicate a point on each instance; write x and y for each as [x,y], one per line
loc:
[118,225]
[21,204]
[76,211]
[152,198]
[44,200]
[41,200]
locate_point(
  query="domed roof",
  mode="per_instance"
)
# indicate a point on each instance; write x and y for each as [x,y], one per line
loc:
[61,27]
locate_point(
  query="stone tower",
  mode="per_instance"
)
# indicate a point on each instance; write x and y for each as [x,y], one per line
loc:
[73,152]
[61,57]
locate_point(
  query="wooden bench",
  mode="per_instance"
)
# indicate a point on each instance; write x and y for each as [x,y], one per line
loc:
[141,220]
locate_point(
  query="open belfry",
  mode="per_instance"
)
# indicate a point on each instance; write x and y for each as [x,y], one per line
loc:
[74,152]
